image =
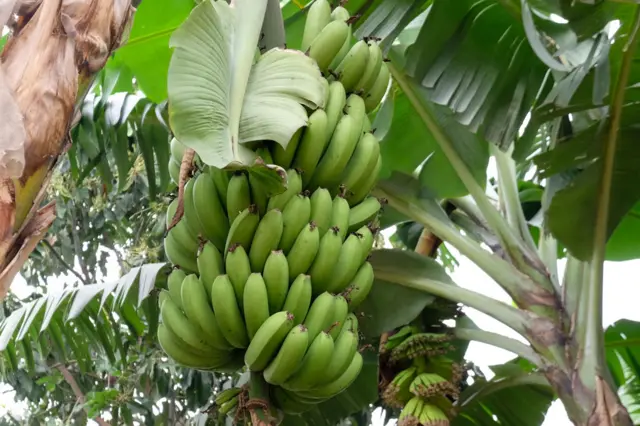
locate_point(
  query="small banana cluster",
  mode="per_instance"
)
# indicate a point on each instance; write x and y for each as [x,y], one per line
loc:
[227,401]
[424,391]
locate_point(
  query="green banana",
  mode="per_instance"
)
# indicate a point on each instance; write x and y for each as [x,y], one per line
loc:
[355,108]
[366,238]
[341,383]
[174,285]
[177,255]
[243,229]
[177,149]
[174,347]
[211,213]
[341,147]
[190,216]
[321,208]
[342,14]
[327,45]
[267,340]
[266,239]
[238,269]
[318,16]
[363,187]
[320,314]
[321,269]
[228,406]
[226,395]
[289,356]
[238,195]
[225,307]
[264,153]
[295,216]
[313,365]
[373,98]
[351,324]
[181,231]
[294,186]
[304,250]
[312,145]
[276,278]
[345,348]
[353,66]
[360,286]
[347,266]
[210,265]
[299,298]
[286,402]
[374,63]
[363,213]
[362,162]
[197,309]
[284,156]
[334,108]
[255,303]
[259,194]
[366,127]
[220,179]
[340,312]
[174,171]
[179,324]
[340,215]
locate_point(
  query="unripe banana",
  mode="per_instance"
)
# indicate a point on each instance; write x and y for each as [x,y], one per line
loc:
[326,46]
[304,250]
[255,303]
[197,309]
[312,145]
[362,162]
[340,312]
[284,156]
[289,356]
[355,108]
[225,307]
[276,278]
[360,286]
[226,395]
[177,254]
[363,187]
[353,66]
[351,324]
[313,365]
[210,265]
[174,347]
[318,16]
[238,269]
[341,147]
[374,96]
[340,215]
[320,314]
[345,348]
[266,239]
[228,406]
[294,186]
[341,383]
[341,14]
[299,298]
[363,213]
[321,208]
[374,63]
[321,269]
[334,108]
[177,150]
[211,213]
[174,285]
[267,340]
[286,402]
[190,216]
[238,195]
[347,266]
[264,153]
[295,216]
[181,231]
[366,127]
[174,171]
[179,324]
[243,229]
[366,239]
[259,194]
[221,181]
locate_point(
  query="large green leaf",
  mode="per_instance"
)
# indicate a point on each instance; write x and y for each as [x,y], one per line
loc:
[219,99]
[146,54]
[622,342]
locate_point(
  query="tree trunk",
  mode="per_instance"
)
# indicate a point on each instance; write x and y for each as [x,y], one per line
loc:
[55,49]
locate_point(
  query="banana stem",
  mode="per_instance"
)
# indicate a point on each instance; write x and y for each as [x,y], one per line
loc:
[258,405]
[499,341]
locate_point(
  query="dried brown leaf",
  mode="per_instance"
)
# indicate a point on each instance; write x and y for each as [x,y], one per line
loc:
[12,133]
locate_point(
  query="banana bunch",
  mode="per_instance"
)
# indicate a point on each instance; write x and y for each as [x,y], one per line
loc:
[227,401]
[418,412]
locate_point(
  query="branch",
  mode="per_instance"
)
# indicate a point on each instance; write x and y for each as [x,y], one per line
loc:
[68,377]
[62,261]
[500,341]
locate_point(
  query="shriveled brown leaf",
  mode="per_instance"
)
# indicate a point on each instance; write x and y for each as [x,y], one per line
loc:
[12,133]
[30,237]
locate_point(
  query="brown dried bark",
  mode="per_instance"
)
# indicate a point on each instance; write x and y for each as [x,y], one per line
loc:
[55,50]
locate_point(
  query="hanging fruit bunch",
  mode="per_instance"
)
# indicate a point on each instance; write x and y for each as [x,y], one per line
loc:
[269,282]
